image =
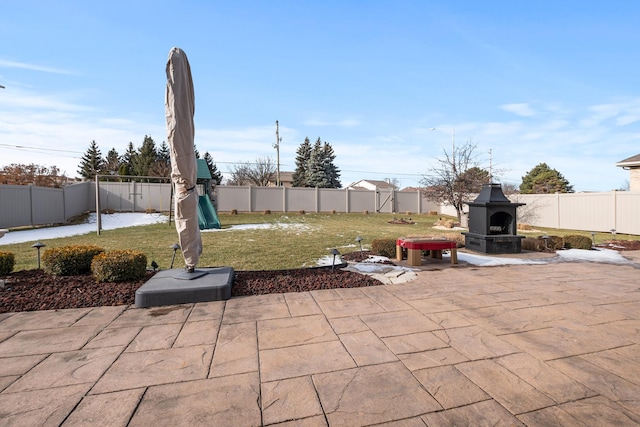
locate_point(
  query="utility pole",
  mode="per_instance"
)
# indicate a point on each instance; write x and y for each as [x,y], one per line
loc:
[277,147]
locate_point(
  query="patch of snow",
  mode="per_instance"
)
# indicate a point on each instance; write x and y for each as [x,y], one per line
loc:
[598,255]
[109,222]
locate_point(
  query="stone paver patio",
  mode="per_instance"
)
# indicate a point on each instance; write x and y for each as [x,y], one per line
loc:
[535,345]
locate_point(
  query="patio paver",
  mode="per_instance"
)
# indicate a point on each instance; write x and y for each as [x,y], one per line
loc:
[534,345]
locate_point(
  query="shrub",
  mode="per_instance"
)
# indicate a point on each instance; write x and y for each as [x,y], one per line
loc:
[69,260]
[119,266]
[554,243]
[302,212]
[432,213]
[267,212]
[524,227]
[7,261]
[531,244]
[577,242]
[384,247]
[234,211]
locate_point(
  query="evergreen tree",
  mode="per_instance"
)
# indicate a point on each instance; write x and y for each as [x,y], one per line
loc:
[303,155]
[91,163]
[162,165]
[112,162]
[128,159]
[145,158]
[216,175]
[331,170]
[543,179]
[321,171]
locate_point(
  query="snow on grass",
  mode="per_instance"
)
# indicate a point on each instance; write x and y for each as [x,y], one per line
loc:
[109,222]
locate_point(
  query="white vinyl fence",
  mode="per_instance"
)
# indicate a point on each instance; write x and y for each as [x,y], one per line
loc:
[30,205]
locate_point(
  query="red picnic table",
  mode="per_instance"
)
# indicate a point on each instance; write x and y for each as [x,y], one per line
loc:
[415,246]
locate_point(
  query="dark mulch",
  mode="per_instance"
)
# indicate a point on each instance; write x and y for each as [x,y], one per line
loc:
[621,245]
[29,290]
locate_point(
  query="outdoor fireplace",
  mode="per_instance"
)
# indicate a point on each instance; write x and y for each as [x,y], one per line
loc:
[492,223]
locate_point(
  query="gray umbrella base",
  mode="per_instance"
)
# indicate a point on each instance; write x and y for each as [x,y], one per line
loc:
[169,287]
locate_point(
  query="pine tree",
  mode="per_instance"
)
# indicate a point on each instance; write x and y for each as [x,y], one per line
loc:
[303,155]
[543,179]
[216,175]
[146,157]
[331,170]
[91,163]
[128,159]
[162,164]
[321,170]
[112,162]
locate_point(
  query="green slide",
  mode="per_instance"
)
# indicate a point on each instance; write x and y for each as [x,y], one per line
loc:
[207,216]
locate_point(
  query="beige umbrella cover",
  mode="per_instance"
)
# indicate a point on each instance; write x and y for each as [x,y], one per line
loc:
[180,108]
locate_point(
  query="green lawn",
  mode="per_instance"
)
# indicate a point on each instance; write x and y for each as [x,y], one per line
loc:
[297,241]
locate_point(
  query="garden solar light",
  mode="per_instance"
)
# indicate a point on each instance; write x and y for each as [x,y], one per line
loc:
[359,240]
[38,245]
[175,247]
[593,237]
[613,231]
[545,238]
[334,252]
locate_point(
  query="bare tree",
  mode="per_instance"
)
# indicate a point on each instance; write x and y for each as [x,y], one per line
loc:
[262,171]
[455,178]
[258,173]
[239,174]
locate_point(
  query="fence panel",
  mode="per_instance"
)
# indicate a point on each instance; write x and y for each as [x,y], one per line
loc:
[362,200]
[234,197]
[15,206]
[266,198]
[77,199]
[330,199]
[47,206]
[300,199]
[627,212]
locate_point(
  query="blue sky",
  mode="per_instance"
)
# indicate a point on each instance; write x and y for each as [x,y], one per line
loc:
[533,82]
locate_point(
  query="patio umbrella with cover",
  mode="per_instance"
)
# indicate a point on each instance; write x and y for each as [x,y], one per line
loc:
[179,109]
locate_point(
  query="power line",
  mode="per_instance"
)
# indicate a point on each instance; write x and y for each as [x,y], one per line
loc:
[25,148]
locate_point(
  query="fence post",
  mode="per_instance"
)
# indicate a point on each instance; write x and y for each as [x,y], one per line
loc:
[98,217]
[284,199]
[31,204]
[347,200]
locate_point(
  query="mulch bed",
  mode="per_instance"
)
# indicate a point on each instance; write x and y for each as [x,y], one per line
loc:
[30,290]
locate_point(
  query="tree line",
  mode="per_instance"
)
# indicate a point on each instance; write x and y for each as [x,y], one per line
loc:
[146,160]
[315,167]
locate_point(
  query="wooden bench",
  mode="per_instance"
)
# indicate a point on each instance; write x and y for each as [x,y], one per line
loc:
[415,246]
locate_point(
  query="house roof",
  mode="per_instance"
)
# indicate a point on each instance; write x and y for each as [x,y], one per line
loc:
[374,182]
[633,161]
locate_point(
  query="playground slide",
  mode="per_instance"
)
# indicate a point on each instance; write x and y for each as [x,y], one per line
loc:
[207,216]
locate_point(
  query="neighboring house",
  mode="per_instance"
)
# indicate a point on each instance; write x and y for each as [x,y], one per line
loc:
[632,164]
[286,180]
[371,184]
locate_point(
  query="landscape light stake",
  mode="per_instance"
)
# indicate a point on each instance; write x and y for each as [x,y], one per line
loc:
[38,245]
[334,252]
[593,237]
[545,238]
[359,240]
[175,247]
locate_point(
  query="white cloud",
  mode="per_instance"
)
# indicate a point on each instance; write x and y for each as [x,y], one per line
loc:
[523,110]
[348,122]
[23,65]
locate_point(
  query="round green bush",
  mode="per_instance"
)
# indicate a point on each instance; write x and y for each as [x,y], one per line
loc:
[577,242]
[69,260]
[7,261]
[119,266]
